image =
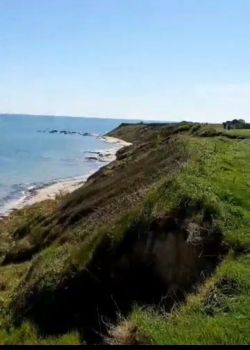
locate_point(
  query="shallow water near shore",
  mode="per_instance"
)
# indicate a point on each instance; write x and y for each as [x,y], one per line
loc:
[31,159]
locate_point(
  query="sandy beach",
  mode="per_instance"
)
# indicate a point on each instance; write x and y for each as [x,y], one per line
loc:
[114,140]
[50,192]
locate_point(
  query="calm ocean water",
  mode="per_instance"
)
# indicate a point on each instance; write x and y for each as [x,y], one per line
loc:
[30,159]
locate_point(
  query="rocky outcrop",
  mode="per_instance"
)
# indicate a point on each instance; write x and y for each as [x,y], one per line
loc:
[67,132]
[101,156]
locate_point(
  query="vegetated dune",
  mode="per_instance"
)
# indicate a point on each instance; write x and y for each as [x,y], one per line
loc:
[152,249]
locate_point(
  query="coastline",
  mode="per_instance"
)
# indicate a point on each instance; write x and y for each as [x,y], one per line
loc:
[62,187]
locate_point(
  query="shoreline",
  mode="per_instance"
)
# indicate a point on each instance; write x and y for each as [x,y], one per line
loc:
[64,187]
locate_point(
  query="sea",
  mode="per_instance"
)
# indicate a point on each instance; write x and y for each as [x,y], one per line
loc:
[36,151]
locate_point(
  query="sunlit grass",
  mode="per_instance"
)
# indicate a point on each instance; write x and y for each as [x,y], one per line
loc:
[220,312]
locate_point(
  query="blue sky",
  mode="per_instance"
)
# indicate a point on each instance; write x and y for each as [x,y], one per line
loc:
[146,59]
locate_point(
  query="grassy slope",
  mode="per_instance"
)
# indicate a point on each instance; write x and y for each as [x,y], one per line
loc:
[220,312]
[159,174]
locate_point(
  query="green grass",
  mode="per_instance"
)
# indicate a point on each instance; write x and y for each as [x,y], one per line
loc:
[169,167]
[244,133]
[220,312]
[239,132]
[27,334]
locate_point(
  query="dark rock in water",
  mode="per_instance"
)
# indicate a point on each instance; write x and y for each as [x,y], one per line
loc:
[100,156]
[91,158]
[91,152]
[66,132]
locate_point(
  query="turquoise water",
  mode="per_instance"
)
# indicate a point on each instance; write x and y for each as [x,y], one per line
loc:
[30,159]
